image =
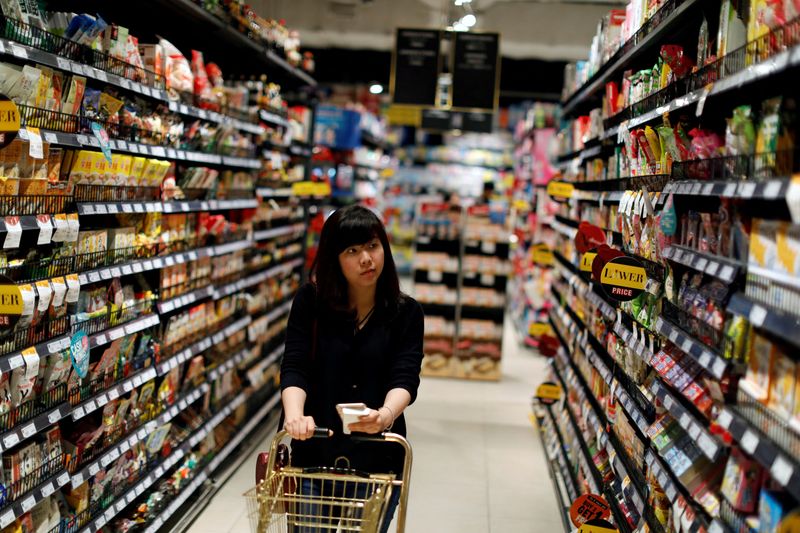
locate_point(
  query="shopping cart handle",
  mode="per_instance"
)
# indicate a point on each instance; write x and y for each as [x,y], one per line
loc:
[361,437]
[322,433]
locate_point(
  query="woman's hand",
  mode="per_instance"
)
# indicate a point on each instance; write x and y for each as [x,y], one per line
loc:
[374,422]
[300,427]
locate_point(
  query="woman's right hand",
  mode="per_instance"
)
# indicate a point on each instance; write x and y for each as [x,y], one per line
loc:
[300,428]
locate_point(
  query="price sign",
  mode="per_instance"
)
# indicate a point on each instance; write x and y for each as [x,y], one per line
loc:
[588,508]
[548,393]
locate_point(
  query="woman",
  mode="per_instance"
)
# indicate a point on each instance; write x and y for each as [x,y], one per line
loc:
[352,337]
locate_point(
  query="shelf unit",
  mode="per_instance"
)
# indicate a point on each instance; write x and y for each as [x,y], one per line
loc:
[230,350]
[656,351]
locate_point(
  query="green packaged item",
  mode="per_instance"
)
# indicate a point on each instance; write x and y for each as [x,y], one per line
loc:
[740,133]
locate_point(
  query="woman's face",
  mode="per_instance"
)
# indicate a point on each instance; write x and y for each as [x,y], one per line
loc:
[362,264]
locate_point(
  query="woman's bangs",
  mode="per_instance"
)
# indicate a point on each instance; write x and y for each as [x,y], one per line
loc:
[357,230]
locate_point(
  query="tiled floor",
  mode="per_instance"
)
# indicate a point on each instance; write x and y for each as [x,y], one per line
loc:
[478,465]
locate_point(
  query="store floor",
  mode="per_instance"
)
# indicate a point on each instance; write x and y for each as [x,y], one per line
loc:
[479,466]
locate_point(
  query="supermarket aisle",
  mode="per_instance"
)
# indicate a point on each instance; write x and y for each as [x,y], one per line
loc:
[479,466]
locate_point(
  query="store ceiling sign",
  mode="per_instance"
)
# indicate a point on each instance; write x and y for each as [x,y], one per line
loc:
[623,278]
[476,69]
[548,393]
[560,190]
[444,120]
[9,121]
[588,507]
[416,63]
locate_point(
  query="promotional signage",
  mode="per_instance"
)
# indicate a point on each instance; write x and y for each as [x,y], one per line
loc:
[559,190]
[10,303]
[542,255]
[475,70]
[415,67]
[588,507]
[9,121]
[586,261]
[548,393]
[442,120]
[597,526]
[623,278]
[537,329]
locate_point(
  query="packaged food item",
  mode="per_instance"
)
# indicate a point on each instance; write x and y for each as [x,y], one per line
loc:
[759,369]
[178,73]
[740,133]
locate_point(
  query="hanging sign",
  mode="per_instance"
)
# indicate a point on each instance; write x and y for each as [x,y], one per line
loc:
[623,278]
[588,237]
[588,507]
[560,190]
[586,261]
[11,304]
[542,255]
[597,526]
[415,66]
[548,393]
[9,121]
[476,69]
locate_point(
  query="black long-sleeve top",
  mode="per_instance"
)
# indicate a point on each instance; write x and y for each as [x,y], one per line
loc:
[350,366]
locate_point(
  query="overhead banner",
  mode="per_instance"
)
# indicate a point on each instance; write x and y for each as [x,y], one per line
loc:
[476,68]
[415,66]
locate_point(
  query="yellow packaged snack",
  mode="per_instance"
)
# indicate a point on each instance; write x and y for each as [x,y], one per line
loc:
[137,170]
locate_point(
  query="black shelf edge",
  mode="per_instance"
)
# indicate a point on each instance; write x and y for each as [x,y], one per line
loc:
[767,318]
[783,469]
[129,328]
[202,345]
[112,393]
[708,358]
[721,268]
[30,428]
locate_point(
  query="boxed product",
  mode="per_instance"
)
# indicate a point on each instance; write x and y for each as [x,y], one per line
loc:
[92,241]
[121,238]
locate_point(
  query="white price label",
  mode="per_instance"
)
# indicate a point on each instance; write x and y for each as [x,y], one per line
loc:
[126,270]
[18,51]
[78,413]
[746,190]
[47,490]
[749,442]
[14,232]
[28,503]
[54,417]
[137,267]
[28,431]
[730,190]
[757,315]
[781,470]
[724,419]
[10,440]
[94,469]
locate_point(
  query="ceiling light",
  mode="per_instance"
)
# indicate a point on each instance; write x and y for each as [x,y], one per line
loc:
[469,20]
[376,88]
[460,26]
[462,2]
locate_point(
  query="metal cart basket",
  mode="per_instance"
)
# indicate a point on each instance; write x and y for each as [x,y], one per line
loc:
[342,500]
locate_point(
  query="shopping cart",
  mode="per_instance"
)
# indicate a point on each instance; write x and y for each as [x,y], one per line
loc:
[342,499]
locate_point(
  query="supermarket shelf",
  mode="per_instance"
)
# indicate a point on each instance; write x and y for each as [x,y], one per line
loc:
[255,279]
[129,328]
[720,267]
[606,197]
[708,443]
[668,482]
[218,371]
[556,476]
[616,65]
[272,118]
[271,192]
[268,361]
[572,487]
[781,466]
[78,140]
[581,155]
[718,526]
[182,404]
[208,471]
[638,496]
[266,234]
[760,71]
[51,347]
[99,400]
[144,265]
[55,61]
[202,345]
[776,322]
[28,429]
[113,453]
[708,359]
[279,311]
[179,302]
[112,208]
[35,496]
[769,189]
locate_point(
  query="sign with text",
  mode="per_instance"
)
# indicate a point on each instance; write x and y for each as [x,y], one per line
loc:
[548,393]
[623,278]
[415,66]
[441,120]
[588,507]
[476,60]
[9,121]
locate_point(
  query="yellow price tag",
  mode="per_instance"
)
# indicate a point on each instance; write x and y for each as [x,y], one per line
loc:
[560,190]
[586,261]
[537,329]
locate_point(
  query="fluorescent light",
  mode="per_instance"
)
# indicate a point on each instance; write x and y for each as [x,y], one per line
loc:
[462,2]
[460,26]
[469,20]
[376,88]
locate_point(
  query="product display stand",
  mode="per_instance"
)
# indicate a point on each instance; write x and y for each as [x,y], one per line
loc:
[460,274]
[675,282]
[175,300]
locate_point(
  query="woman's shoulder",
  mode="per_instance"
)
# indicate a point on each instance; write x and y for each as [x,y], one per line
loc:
[409,308]
[306,296]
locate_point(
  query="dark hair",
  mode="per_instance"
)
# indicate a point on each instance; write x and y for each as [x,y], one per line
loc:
[347,226]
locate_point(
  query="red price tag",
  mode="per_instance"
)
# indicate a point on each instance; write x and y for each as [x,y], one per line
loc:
[588,507]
